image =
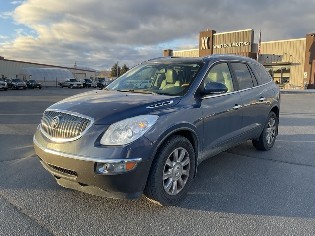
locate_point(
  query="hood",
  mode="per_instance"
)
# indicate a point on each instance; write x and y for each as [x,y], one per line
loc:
[107,107]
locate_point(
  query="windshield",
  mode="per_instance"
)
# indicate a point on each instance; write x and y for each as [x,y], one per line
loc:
[73,80]
[171,79]
[16,80]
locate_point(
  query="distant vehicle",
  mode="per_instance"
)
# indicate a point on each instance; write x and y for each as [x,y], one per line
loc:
[87,83]
[94,84]
[33,84]
[9,83]
[102,83]
[71,83]
[18,84]
[3,85]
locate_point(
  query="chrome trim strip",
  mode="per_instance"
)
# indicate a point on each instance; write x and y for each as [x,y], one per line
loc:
[64,140]
[255,86]
[219,95]
[83,158]
[237,91]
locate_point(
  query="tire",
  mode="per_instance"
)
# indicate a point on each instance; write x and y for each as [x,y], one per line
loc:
[169,178]
[268,136]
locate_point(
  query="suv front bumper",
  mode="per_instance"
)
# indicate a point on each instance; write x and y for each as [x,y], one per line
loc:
[79,173]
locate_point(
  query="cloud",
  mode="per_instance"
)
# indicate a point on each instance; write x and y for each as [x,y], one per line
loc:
[3,37]
[16,2]
[6,15]
[98,33]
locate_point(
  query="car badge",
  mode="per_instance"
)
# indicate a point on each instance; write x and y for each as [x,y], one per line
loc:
[55,122]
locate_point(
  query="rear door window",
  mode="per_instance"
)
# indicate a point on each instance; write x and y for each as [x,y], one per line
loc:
[243,76]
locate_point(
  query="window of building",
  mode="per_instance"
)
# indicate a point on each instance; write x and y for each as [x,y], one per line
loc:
[280,74]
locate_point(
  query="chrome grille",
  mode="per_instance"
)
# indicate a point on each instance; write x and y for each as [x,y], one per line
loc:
[61,126]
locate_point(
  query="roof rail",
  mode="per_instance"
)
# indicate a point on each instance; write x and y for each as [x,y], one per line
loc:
[157,58]
[163,58]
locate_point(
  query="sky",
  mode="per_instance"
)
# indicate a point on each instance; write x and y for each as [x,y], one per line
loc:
[98,33]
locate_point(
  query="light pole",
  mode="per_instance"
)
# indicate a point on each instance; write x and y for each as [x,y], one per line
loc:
[117,73]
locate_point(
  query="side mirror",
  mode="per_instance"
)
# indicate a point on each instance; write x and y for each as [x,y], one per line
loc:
[214,88]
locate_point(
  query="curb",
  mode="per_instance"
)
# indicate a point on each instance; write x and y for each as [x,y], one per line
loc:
[297,91]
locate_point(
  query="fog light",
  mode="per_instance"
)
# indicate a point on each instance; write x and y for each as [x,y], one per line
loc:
[115,167]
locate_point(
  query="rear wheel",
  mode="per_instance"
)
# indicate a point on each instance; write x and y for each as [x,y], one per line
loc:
[268,136]
[172,172]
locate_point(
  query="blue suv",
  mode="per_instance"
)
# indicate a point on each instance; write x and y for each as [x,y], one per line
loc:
[148,131]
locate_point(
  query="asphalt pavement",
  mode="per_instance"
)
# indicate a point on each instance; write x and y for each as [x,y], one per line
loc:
[239,192]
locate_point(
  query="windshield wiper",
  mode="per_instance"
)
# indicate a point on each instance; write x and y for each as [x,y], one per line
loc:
[161,93]
[124,90]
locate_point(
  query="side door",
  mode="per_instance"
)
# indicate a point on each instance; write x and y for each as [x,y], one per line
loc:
[221,113]
[254,99]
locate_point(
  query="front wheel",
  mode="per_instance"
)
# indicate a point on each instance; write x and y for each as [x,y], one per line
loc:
[172,172]
[268,136]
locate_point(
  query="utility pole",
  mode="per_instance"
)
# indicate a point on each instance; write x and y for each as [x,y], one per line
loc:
[117,73]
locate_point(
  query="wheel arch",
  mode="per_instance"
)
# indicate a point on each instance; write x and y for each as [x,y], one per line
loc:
[186,132]
[276,110]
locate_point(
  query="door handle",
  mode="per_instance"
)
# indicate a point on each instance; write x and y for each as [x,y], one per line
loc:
[261,99]
[237,107]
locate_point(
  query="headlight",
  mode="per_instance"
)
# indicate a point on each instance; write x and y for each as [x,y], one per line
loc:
[128,130]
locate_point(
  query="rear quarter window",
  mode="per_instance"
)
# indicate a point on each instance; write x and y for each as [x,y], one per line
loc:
[261,74]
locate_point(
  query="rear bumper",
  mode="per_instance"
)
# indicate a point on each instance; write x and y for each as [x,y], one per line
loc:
[76,85]
[34,86]
[19,86]
[78,173]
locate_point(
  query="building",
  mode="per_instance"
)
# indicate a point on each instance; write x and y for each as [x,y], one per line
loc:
[291,62]
[51,74]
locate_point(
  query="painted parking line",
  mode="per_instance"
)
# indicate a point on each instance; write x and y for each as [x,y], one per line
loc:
[22,114]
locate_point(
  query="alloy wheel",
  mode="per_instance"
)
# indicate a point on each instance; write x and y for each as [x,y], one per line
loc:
[176,171]
[271,130]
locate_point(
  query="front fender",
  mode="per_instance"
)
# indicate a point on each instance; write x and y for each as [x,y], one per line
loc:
[190,131]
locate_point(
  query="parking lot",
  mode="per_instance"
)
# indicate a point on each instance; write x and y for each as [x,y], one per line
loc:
[239,192]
